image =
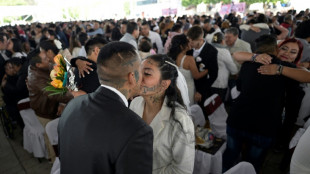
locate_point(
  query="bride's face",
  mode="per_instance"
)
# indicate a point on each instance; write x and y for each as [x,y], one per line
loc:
[151,78]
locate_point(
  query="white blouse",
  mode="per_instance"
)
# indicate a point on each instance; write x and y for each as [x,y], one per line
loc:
[174,139]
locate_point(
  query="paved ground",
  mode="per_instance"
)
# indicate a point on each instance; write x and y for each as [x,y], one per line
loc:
[15,160]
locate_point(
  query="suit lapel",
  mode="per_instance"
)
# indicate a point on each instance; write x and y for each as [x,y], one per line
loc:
[203,51]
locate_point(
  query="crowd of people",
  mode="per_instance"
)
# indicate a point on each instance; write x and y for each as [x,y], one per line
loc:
[137,80]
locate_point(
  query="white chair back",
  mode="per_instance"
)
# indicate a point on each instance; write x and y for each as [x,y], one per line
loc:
[56,167]
[33,133]
[234,92]
[51,131]
[217,115]
[304,110]
[242,168]
[197,115]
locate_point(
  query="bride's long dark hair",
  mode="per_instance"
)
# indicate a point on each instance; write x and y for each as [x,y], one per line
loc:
[178,43]
[169,72]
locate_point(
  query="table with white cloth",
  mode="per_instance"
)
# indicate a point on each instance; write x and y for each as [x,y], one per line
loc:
[205,162]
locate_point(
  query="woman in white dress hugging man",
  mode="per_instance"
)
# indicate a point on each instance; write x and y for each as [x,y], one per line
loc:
[161,106]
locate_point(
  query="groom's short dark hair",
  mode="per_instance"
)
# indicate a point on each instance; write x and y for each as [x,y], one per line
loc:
[115,61]
[266,44]
[195,32]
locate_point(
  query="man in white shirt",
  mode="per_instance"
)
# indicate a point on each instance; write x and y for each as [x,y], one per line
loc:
[155,37]
[234,44]
[97,29]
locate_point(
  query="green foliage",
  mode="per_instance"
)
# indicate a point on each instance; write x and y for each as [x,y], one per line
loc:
[127,8]
[9,19]
[190,2]
[216,1]
[74,12]
[55,91]
[16,2]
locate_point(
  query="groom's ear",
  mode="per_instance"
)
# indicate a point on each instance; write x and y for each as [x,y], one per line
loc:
[131,78]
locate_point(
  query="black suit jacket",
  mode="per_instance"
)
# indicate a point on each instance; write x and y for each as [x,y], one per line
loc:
[99,134]
[208,57]
[90,82]
[258,109]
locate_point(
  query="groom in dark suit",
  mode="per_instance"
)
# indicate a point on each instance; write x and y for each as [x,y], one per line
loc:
[206,58]
[97,132]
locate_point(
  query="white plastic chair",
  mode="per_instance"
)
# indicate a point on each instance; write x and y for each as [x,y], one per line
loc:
[304,110]
[33,133]
[208,163]
[197,115]
[217,116]
[234,92]
[51,131]
[242,168]
[56,167]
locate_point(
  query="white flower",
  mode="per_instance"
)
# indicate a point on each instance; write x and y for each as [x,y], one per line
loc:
[198,59]
[201,67]
[53,74]
[58,44]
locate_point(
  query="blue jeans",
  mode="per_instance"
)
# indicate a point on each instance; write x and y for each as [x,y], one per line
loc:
[255,150]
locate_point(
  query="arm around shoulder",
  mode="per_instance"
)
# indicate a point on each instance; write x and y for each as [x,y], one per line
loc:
[193,68]
[242,56]
[298,74]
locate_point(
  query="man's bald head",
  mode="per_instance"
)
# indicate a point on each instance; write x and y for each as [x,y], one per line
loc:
[115,61]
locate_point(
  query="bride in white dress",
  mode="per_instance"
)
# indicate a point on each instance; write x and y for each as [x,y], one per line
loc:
[187,65]
[161,106]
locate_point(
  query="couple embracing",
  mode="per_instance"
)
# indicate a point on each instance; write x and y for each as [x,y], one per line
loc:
[99,134]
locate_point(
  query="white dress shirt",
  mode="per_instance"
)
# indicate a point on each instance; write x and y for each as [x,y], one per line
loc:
[174,139]
[155,38]
[197,51]
[19,55]
[82,52]
[4,55]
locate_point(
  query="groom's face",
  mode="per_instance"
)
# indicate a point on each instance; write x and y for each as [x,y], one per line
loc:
[138,77]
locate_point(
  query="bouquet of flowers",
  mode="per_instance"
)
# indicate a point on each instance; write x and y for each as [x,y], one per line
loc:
[58,77]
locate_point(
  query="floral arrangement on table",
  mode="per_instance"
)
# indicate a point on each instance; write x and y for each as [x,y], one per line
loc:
[58,77]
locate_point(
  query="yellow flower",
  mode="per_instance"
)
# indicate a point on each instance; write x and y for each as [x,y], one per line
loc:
[57,83]
[57,59]
[58,70]
[53,74]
